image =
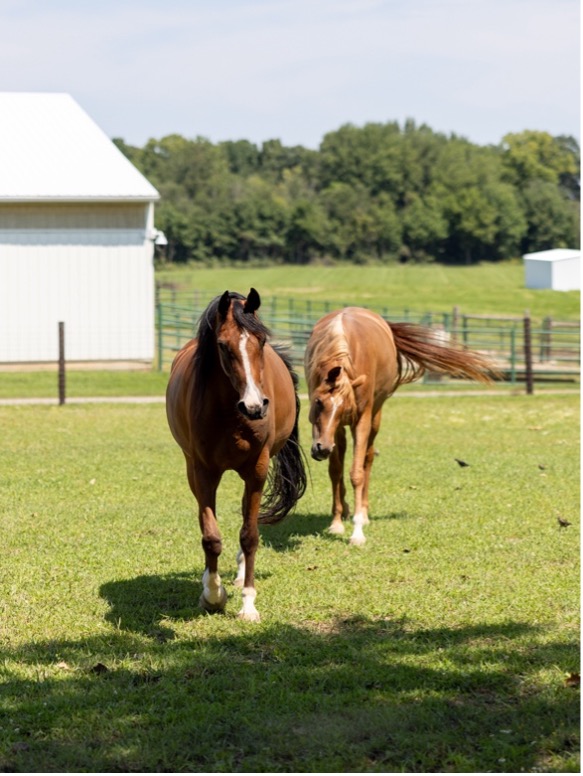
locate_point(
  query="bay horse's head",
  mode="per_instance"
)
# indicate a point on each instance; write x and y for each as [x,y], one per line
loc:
[333,403]
[240,338]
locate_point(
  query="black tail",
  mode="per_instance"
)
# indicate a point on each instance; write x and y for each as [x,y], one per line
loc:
[286,482]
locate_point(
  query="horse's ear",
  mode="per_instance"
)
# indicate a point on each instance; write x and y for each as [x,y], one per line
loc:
[253,301]
[333,375]
[224,304]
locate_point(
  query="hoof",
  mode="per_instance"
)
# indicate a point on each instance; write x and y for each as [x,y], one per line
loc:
[249,616]
[357,541]
[219,606]
[336,529]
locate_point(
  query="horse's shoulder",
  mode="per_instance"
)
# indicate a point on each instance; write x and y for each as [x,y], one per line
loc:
[184,356]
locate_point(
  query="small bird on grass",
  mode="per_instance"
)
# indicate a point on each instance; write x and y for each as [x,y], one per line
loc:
[562,522]
[461,463]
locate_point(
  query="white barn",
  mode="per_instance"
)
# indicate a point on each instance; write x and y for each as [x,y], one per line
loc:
[76,238]
[558,269]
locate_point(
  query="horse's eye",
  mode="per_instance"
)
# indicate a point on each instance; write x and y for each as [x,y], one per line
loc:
[319,404]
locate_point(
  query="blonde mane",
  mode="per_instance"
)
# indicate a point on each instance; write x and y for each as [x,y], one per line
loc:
[329,347]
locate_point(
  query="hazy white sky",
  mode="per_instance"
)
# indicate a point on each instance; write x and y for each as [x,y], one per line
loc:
[296,69]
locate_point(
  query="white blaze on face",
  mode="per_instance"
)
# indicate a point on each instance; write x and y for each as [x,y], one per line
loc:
[335,401]
[252,397]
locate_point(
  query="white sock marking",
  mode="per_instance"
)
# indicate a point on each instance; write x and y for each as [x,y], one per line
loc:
[240,578]
[358,536]
[248,610]
[213,589]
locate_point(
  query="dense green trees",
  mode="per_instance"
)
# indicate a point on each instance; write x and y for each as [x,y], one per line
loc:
[379,192]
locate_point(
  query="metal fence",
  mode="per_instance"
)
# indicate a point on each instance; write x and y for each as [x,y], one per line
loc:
[522,348]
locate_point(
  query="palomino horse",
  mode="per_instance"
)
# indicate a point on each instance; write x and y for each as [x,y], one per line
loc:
[232,403]
[354,361]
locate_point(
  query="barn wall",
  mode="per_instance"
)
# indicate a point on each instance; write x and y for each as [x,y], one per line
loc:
[566,275]
[99,281]
[538,274]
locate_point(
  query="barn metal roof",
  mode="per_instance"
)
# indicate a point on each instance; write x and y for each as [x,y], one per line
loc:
[51,150]
[554,254]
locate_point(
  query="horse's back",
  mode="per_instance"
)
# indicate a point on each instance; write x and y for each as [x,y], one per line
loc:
[358,337]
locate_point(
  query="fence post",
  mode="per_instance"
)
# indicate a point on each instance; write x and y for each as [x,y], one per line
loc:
[528,353]
[513,355]
[61,363]
[455,321]
[545,347]
[160,336]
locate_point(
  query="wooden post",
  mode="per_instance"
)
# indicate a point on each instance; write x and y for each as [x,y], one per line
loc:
[528,353]
[455,322]
[160,322]
[61,363]
[545,348]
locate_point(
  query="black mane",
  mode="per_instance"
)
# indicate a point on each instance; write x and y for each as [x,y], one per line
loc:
[206,352]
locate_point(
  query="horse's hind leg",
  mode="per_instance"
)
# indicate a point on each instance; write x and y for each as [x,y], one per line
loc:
[340,509]
[204,486]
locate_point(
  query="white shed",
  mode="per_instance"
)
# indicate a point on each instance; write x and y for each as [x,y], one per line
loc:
[558,269]
[76,238]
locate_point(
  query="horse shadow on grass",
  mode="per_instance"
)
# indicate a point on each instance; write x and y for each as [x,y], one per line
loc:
[142,603]
[145,604]
[291,532]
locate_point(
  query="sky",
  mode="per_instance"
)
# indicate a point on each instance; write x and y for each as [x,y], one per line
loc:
[295,70]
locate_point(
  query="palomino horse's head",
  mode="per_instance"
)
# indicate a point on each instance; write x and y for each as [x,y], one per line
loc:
[333,404]
[241,337]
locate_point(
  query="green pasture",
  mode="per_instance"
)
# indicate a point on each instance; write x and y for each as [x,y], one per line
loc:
[480,289]
[449,642]
[82,383]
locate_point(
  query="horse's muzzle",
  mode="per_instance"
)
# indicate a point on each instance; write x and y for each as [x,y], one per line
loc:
[319,452]
[253,412]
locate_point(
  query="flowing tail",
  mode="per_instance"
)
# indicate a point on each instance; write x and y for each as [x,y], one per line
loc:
[420,348]
[287,480]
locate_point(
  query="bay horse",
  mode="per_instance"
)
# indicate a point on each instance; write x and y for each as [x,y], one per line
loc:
[232,403]
[354,361]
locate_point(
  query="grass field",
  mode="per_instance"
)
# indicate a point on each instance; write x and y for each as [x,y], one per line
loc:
[484,289]
[446,643]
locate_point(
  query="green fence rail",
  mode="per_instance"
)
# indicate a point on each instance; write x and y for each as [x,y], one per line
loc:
[555,345]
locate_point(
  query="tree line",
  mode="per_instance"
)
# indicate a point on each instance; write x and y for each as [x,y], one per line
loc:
[380,192]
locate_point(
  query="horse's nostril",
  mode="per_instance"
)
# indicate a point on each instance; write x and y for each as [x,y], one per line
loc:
[320,452]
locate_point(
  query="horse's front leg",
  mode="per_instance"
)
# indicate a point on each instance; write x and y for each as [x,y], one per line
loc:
[204,485]
[249,535]
[368,462]
[358,476]
[340,509]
